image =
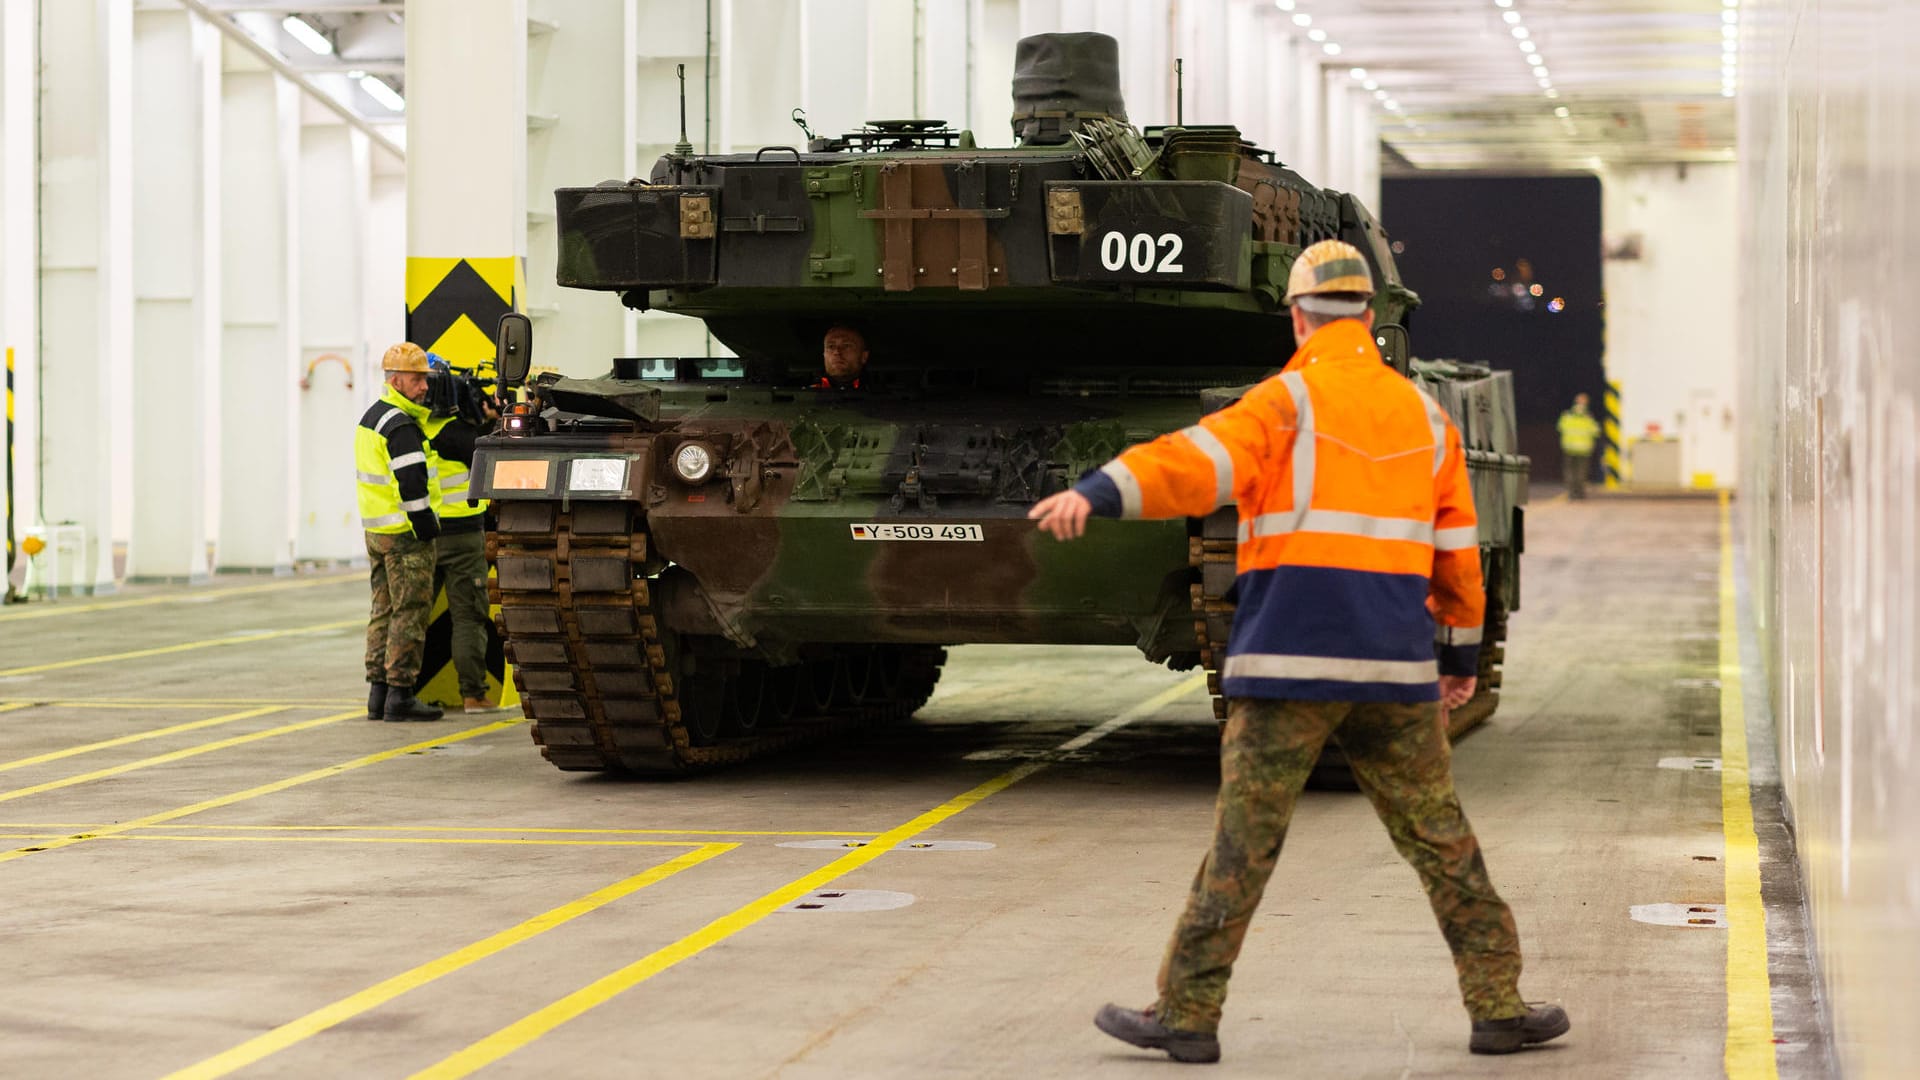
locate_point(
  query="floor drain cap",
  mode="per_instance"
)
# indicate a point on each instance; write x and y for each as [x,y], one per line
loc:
[1691,764]
[1692,916]
[850,900]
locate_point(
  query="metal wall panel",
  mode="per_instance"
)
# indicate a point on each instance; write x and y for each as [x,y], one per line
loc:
[1830,94]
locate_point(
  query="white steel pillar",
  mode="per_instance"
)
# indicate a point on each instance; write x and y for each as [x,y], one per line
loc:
[1366,151]
[19,256]
[86,279]
[996,28]
[761,44]
[330,267]
[260,363]
[1339,150]
[467,136]
[666,37]
[1282,131]
[893,59]
[176,69]
[946,62]
[580,83]
[1310,144]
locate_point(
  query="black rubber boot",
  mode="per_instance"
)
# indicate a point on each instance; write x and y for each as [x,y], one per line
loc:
[403,706]
[1542,1022]
[376,701]
[1139,1027]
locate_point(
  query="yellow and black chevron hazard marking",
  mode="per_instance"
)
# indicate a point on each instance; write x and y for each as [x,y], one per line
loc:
[8,588]
[454,305]
[440,684]
[1610,434]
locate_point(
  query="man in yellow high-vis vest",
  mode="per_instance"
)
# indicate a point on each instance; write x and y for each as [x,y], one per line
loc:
[460,554]
[396,510]
[1578,430]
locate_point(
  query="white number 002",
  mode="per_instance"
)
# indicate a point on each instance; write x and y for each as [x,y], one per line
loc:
[1120,251]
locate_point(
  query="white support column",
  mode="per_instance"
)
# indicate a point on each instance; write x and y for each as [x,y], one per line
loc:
[260,390]
[1366,151]
[892,60]
[86,278]
[946,52]
[575,74]
[760,45]
[1282,131]
[330,267]
[1339,150]
[19,250]
[996,29]
[834,66]
[175,283]
[664,37]
[1247,101]
[1310,144]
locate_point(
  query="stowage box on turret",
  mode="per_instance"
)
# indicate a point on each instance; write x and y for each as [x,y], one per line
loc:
[700,560]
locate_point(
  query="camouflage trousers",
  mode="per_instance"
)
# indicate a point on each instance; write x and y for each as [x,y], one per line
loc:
[462,569]
[1405,766]
[402,599]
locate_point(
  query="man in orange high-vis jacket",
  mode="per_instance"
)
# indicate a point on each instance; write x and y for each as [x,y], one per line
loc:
[1359,611]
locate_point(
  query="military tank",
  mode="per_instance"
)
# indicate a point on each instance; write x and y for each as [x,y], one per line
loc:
[702,560]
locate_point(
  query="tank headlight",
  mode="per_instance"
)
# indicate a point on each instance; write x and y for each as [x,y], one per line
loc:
[693,462]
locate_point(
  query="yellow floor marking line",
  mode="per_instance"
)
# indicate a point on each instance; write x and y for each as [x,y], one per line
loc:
[49,610]
[346,1008]
[1750,1053]
[164,650]
[138,736]
[212,839]
[191,809]
[455,829]
[117,703]
[178,755]
[538,1023]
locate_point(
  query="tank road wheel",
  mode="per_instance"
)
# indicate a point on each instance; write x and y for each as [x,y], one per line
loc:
[703,701]
[918,674]
[747,699]
[858,677]
[818,684]
[781,699]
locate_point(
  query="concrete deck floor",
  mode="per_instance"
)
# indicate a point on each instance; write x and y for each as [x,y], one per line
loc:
[243,874]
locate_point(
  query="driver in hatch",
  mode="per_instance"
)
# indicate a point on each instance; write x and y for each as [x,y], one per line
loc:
[844,355]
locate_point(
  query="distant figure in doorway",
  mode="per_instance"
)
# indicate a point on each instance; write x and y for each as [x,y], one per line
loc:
[844,356]
[1578,429]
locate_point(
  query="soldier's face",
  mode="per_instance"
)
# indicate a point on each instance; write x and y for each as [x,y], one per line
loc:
[844,354]
[411,384]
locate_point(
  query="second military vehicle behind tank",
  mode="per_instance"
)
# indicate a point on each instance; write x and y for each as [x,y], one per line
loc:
[696,568]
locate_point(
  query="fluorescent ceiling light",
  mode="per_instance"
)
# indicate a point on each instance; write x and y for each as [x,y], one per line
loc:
[1553,93]
[382,93]
[1331,48]
[1316,34]
[1303,19]
[1379,95]
[1729,16]
[1527,46]
[1511,17]
[1503,3]
[1371,85]
[303,32]
[1283,5]
[1520,32]
[1356,73]
[1560,111]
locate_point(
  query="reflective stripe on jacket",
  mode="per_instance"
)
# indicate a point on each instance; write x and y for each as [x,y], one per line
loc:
[390,463]
[1359,558]
[1577,432]
[450,455]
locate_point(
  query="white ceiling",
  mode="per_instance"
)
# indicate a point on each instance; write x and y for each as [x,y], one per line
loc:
[1641,80]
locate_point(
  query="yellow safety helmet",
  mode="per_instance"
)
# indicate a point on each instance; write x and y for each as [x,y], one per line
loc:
[405,356]
[1330,267]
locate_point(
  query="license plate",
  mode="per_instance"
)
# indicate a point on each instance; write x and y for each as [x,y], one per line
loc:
[890,531]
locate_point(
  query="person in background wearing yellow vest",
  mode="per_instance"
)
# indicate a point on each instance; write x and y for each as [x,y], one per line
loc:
[460,554]
[1577,432]
[396,510]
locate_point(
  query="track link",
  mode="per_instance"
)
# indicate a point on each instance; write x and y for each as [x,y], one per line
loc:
[600,682]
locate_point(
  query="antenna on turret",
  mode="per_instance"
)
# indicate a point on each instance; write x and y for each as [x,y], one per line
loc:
[1179,93]
[683,148]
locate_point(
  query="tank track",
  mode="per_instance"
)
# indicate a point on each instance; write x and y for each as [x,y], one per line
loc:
[607,689]
[1213,556]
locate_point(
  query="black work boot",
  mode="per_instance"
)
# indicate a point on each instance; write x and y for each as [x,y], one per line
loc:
[376,701]
[1139,1027]
[403,706]
[1542,1022]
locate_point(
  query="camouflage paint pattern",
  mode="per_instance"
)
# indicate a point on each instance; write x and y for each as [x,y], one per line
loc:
[1404,765]
[1029,314]
[401,569]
